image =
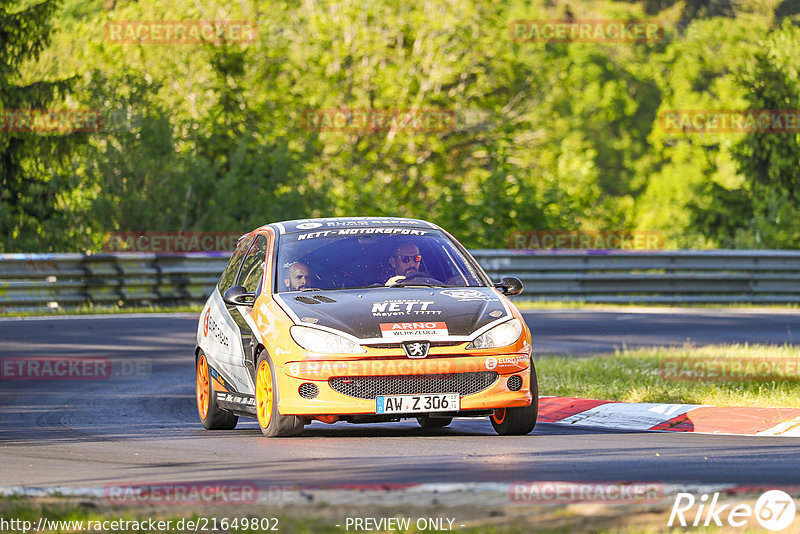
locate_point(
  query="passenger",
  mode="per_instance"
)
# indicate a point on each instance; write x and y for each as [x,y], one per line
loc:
[298,277]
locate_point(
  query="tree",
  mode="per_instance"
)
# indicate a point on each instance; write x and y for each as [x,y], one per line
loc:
[32,181]
[764,212]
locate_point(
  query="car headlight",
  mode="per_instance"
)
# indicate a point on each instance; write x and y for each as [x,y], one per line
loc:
[499,336]
[317,340]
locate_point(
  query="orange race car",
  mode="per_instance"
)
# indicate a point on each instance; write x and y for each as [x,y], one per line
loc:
[362,320]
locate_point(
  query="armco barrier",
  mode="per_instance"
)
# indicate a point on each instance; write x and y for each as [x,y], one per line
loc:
[39,281]
[664,276]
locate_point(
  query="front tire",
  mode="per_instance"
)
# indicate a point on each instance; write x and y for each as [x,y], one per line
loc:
[271,422]
[212,416]
[433,422]
[518,421]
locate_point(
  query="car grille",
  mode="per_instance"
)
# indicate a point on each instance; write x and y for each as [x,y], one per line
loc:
[369,387]
[400,345]
[308,390]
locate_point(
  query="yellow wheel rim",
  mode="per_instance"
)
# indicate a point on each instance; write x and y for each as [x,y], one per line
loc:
[203,391]
[264,394]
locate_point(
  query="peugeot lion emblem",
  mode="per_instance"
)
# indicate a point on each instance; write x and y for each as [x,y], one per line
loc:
[416,349]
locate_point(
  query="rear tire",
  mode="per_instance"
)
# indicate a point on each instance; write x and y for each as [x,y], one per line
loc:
[212,416]
[271,422]
[433,422]
[518,421]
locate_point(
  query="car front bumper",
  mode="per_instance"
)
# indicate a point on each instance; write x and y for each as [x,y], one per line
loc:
[411,373]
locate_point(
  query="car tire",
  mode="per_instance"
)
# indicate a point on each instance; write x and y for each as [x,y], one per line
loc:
[271,422]
[212,416]
[433,422]
[518,421]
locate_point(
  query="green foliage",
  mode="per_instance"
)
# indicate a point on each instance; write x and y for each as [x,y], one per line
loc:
[34,176]
[762,210]
[547,135]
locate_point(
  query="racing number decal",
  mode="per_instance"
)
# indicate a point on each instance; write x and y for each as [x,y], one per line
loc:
[205,323]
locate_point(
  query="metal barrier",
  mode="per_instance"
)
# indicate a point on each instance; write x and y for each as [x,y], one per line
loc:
[40,281]
[37,281]
[665,276]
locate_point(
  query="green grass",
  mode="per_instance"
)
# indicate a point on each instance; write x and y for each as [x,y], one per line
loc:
[671,375]
[321,518]
[317,518]
[102,310]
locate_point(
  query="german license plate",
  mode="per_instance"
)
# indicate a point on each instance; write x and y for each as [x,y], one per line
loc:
[442,402]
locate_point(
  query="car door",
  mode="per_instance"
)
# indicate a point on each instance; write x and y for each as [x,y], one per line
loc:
[250,276]
[219,334]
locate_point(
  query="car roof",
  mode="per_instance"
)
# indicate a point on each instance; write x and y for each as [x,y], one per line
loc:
[305,225]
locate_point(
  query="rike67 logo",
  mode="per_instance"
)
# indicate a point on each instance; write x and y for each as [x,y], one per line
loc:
[774,510]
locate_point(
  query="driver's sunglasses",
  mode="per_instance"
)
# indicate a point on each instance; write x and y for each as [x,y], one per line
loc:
[408,259]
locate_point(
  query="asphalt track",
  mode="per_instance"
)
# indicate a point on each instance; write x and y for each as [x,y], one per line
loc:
[144,428]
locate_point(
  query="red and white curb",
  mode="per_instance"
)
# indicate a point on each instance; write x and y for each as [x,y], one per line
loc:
[696,418]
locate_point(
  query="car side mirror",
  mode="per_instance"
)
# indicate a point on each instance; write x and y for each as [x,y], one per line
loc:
[510,286]
[238,296]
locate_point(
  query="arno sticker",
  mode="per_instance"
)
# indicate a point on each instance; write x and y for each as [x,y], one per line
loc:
[415,329]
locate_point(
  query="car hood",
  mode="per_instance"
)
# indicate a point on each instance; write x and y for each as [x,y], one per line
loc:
[386,315]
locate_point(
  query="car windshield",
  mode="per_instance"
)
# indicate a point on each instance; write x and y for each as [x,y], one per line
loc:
[371,256]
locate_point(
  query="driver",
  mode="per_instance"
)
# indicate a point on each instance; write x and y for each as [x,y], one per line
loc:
[298,277]
[405,259]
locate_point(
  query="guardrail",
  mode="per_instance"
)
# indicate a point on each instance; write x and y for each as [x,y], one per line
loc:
[665,276]
[40,281]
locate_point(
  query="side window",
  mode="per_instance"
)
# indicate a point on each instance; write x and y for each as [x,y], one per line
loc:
[253,266]
[226,280]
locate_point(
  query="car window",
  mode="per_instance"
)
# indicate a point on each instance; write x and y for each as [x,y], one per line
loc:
[253,265]
[229,274]
[369,257]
